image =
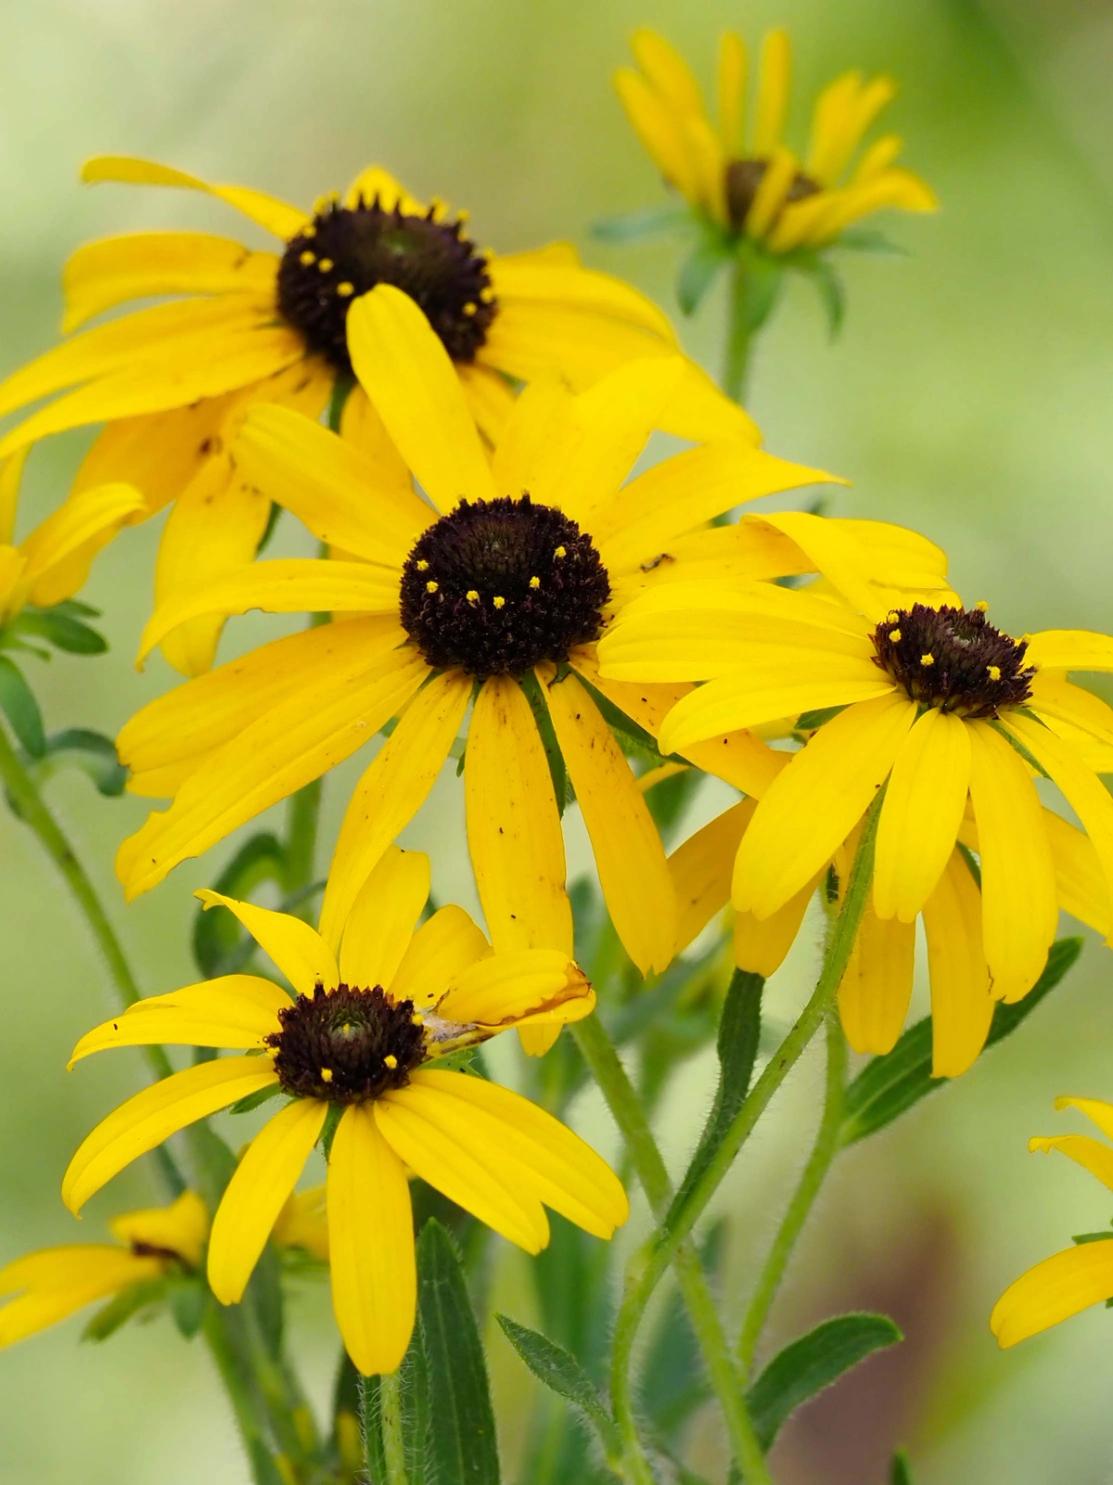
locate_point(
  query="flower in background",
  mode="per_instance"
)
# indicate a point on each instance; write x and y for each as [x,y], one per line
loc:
[743,182]
[375,1004]
[876,990]
[172,380]
[1078,1277]
[921,695]
[491,596]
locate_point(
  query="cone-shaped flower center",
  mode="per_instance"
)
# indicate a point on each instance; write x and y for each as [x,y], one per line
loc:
[954,659]
[744,177]
[497,586]
[347,250]
[346,1045]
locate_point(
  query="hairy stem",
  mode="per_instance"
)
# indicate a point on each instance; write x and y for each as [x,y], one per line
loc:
[390,1412]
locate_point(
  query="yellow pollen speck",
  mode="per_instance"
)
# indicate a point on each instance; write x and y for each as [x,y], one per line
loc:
[561,551]
[422,565]
[391,1061]
[535,582]
[499,602]
[486,295]
[994,672]
[472,595]
[326,1074]
[470,309]
[894,636]
[892,616]
[927,660]
[982,606]
[307,258]
[417,1019]
[345,290]
[326,265]
[431,586]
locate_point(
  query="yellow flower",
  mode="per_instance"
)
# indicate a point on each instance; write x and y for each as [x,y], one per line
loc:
[508,577]
[876,990]
[1078,1277]
[742,177]
[54,1283]
[375,1004]
[933,701]
[172,380]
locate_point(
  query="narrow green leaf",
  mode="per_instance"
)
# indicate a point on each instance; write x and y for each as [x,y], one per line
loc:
[739,1035]
[93,753]
[220,945]
[699,271]
[812,1363]
[17,701]
[264,1469]
[648,222]
[562,787]
[122,1307]
[868,240]
[830,289]
[900,1473]
[253,1100]
[188,1298]
[61,630]
[559,1370]
[462,1442]
[887,1086]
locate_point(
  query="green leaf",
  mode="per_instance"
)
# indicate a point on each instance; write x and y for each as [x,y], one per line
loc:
[762,281]
[869,240]
[220,945]
[61,630]
[188,1298]
[739,1034]
[122,1307]
[253,1100]
[699,270]
[91,752]
[264,1469]
[887,1086]
[462,1442]
[558,1369]
[632,225]
[900,1473]
[264,1294]
[830,288]
[811,1364]
[17,701]
[562,786]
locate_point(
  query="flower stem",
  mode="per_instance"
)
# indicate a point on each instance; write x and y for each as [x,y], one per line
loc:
[390,1412]
[646,1271]
[629,1115]
[736,364]
[819,1163]
[230,1364]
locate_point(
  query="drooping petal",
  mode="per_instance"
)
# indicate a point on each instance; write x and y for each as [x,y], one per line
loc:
[961,996]
[35,1311]
[1083,1149]
[298,950]
[267,211]
[180,1227]
[371,1244]
[381,923]
[877,987]
[60,550]
[151,1116]
[502,988]
[1098,1110]
[761,944]
[702,868]
[260,1187]
[441,949]
[231,1011]
[659,132]
[1079,880]
[1054,1290]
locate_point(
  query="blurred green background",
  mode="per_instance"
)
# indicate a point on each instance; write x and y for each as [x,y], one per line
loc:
[968,396]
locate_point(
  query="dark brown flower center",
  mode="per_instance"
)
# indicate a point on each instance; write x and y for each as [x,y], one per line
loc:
[346,1045]
[497,586]
[953,658]
[347,250]
[744,177]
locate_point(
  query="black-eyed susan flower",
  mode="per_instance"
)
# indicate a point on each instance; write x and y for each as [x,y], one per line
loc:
[353,1051]
[876,990]
[171,380]
[47,1286]
[1078,1277]
[493,595]
[951,714]
[744,183]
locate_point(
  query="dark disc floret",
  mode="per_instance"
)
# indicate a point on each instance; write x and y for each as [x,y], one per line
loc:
[498,586]
[346,1045]
[346,250]
[953,658]
[744,177]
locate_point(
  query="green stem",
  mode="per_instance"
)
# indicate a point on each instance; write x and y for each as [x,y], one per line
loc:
[303,813]
[390,1412]
[819,1163]
[736,364]
[629,1115]
[647,1269]
[229,1363]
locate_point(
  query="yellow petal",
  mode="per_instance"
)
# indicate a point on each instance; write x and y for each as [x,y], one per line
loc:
[514,836]
[1079,717]
[1054,1290]
[629,856]
[270,213]
[731,90]
[772,92]
[961,999]
[393,789]
[441,949]
[666,70]
[761,944]
[503,987]
[31,1313]
[406,372]
[701,871]
[381,923]
[182,1227]
[141,265]
[331,485]
[231,1011]
[919,822]
[813,805]
[149,1117]
[490,398]
[534,1149]
[876,989]
[260,1187]
[65,1267]
[529,282]
[371,1244]
[302,1223]
[1083,1149]
[1079,880]
[376,184]
[1019,909]
[1070,649]
[455,1154]
[1096,1109]
[286,748]
[659,132]
[298,950]
[772,193]
[60,550]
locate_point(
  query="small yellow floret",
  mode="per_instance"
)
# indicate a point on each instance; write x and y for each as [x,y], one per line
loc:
[417,1019]
[535,582]
[391,1061]
[926,660]
[561,551]
[470,308]
[326,1074]
[894,636]
[307,259]
[345,290]
[431,586]
[982,606]
[499,602]
[994,672]
[422,565]
[326,265]
[472,595]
